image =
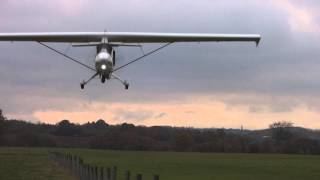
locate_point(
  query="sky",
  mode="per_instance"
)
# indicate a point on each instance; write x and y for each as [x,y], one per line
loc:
[222,85]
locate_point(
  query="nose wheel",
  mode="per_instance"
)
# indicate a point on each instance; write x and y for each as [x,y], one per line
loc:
[103,79]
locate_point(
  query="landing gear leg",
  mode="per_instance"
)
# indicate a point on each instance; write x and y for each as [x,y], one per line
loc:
[103,79]
[86,82]
[124,82]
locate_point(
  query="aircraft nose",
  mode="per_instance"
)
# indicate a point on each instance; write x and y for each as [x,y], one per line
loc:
[103,56]
[103,67]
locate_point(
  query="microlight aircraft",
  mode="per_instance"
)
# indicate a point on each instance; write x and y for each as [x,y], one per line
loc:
[105,64]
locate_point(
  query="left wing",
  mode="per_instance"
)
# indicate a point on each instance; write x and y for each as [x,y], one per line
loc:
[126,37]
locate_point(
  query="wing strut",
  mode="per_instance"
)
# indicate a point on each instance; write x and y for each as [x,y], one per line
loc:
[68,57]
[141,57]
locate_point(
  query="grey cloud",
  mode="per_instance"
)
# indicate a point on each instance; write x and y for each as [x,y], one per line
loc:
[160,115]
[285,63]
[190,112]
[280,109]
[128,115]
[255,109]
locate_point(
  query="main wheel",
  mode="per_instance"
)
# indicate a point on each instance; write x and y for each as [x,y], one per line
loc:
[82,86]
[126,85]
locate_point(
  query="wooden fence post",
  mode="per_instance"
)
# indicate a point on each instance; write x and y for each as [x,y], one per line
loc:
[87,172]
[81,169]
[96,173]
[70,161]
[73,158]
[156,177]
[139,176]
[101,173]
[76,165]
[65,160]
[114,173]
[127,175]
[92,173]
[108,173]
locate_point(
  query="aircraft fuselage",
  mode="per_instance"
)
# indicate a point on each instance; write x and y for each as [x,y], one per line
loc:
[104,62]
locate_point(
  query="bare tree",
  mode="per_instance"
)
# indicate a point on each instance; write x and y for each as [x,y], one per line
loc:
[281,131]
[2,119]
[281,124]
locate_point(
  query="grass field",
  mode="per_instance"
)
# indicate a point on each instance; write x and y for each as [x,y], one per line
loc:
[29,164]
[169,165]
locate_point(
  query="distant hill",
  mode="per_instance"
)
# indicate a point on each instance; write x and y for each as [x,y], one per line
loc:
[101,135]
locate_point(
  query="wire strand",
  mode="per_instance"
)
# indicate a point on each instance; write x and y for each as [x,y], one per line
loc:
[141,57]
[68,57]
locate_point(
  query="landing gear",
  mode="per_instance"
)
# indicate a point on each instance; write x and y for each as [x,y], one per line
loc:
[106,46]
[126,85]
[86,82]
[103,79]
[124,82]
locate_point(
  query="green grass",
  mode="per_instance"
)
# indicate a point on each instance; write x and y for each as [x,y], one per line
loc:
[169,165]
[29,164]
[206,166]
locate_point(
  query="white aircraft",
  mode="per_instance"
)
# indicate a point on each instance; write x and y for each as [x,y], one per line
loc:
[106,41]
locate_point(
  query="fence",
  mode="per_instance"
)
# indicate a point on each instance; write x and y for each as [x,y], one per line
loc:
[85,171]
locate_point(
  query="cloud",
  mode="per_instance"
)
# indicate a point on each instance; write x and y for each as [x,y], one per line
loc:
[160,115]
[129,115]
[301,18]
[71,7]
[210,113]
[255,109]
[275,81]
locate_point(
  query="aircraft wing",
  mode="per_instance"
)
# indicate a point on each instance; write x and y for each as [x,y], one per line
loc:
[126,37]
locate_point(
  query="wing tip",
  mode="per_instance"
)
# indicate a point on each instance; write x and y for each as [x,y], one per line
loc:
[258,41]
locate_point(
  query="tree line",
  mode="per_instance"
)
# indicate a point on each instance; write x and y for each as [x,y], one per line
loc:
[279,137]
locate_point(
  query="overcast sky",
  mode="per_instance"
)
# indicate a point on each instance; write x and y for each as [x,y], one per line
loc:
[186,84]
